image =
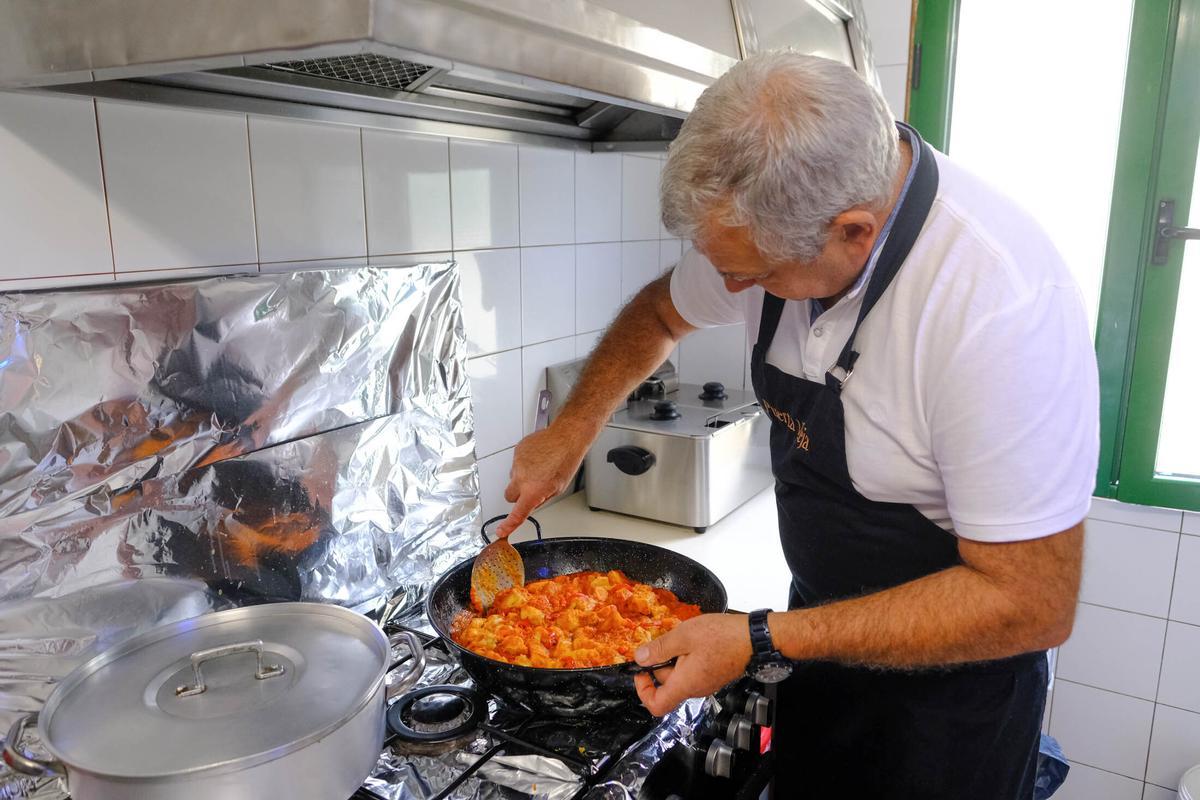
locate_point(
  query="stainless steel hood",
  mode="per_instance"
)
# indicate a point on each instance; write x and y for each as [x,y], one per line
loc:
[583,73]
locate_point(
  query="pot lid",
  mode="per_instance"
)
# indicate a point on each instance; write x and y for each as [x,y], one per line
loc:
[138,711]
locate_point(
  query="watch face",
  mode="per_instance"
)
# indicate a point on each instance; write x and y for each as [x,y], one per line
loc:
[772,671]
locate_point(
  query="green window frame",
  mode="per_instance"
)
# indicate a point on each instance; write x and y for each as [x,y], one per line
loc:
[1137,302]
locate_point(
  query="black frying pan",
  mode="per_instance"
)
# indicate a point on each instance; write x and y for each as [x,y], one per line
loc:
[569,692]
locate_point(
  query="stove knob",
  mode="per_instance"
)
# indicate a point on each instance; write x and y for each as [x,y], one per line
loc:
[739,732]
[758,708]
[713,390]
[665,410]
[718,760]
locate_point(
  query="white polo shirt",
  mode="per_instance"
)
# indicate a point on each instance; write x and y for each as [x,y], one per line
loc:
[974,397]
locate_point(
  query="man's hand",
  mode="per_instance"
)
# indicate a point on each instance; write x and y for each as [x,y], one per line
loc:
[713,649]
[543,463]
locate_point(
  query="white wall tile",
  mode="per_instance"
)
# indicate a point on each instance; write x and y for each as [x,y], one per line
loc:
[714,354]
[639,266]
[407,192]
[597,197]
[893,79]
[888,23]
[585,343]
[669,253]
[58,282]
[1174,747]
[1180,684]
[491,297]
[496,398]
[483,194]
[52,215]
[1127,567]
[178,186]
[547,293]
[1164,519]
[534,360]
[1191,523]
[639,198]
[186,273]
[1102,729]
[1153,792]
[308,190]
[493,479]
[402,260]
[597,285]
[1114,650]
[547,184]
[314,263]
[1088,783]
[1185,602]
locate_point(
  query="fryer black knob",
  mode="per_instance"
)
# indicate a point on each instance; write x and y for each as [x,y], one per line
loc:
[631,460]
[714,390]
[665,410]
[650,389]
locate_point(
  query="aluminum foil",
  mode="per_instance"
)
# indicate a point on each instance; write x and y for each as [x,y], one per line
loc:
[167,449]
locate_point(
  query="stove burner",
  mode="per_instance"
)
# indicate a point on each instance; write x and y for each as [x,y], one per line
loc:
[436,718]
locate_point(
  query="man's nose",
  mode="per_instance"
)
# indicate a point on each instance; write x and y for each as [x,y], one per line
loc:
[734,286]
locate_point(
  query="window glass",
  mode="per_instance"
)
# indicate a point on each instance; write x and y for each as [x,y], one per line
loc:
[1036,112]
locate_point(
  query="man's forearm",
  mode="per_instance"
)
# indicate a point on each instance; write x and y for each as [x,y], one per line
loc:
[636,343]
[957,615]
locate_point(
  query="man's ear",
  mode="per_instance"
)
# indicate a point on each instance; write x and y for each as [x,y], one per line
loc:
[855,229]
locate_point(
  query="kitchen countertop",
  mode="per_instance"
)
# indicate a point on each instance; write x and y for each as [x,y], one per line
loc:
[742,549]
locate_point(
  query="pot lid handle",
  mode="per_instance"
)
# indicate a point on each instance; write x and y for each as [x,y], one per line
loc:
[262,672]
[28,765]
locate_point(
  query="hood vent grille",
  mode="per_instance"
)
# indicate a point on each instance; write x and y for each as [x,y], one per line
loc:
[366,69]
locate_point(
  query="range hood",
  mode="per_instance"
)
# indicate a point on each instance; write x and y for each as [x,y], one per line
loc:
[599,74]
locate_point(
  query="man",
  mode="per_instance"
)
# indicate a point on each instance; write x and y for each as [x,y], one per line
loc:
[925,360]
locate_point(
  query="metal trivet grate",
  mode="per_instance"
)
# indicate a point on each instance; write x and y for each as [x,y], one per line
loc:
[367,69]
[590,747]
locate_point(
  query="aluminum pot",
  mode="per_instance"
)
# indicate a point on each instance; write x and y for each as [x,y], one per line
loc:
[284,699]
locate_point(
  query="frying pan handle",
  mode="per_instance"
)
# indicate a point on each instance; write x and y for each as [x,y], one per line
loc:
[483,528]
[635,669]
[28,765]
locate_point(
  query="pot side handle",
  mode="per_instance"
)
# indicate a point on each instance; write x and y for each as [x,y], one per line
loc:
[416,666]
[28,765]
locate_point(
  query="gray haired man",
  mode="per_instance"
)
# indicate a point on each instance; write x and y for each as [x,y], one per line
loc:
[925,358]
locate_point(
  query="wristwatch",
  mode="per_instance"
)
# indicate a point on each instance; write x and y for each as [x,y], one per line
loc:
[767,665]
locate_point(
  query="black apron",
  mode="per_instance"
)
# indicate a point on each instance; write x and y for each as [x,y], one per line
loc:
[963,733]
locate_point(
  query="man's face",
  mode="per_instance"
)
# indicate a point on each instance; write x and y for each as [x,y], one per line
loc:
[735,256]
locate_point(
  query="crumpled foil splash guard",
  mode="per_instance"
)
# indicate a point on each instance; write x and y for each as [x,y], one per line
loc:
[175,448]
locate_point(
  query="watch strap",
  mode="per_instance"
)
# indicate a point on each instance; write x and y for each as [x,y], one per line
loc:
[760,634]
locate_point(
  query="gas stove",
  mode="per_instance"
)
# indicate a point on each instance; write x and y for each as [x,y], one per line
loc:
[447,741]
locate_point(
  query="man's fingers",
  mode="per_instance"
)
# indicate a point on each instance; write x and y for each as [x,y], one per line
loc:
[670,644]
[521,511]
[663,698]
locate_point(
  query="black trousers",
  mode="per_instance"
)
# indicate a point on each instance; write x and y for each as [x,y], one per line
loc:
[970,733]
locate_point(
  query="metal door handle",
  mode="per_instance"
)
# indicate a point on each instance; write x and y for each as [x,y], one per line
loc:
[1165,232]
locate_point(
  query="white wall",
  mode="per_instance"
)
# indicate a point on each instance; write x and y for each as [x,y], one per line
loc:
[551,242]
[1126,701]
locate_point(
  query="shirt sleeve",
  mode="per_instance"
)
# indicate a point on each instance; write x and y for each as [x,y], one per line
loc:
[1014,420]
[699,294]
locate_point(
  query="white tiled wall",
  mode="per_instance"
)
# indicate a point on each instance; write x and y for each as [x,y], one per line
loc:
[550,242]
[1126,704]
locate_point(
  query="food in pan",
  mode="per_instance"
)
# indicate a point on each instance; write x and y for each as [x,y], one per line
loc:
[584,619]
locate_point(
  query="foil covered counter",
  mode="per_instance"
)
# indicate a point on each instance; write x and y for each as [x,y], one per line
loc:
[168,449]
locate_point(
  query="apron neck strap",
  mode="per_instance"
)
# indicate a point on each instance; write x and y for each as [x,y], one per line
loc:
[907,225]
